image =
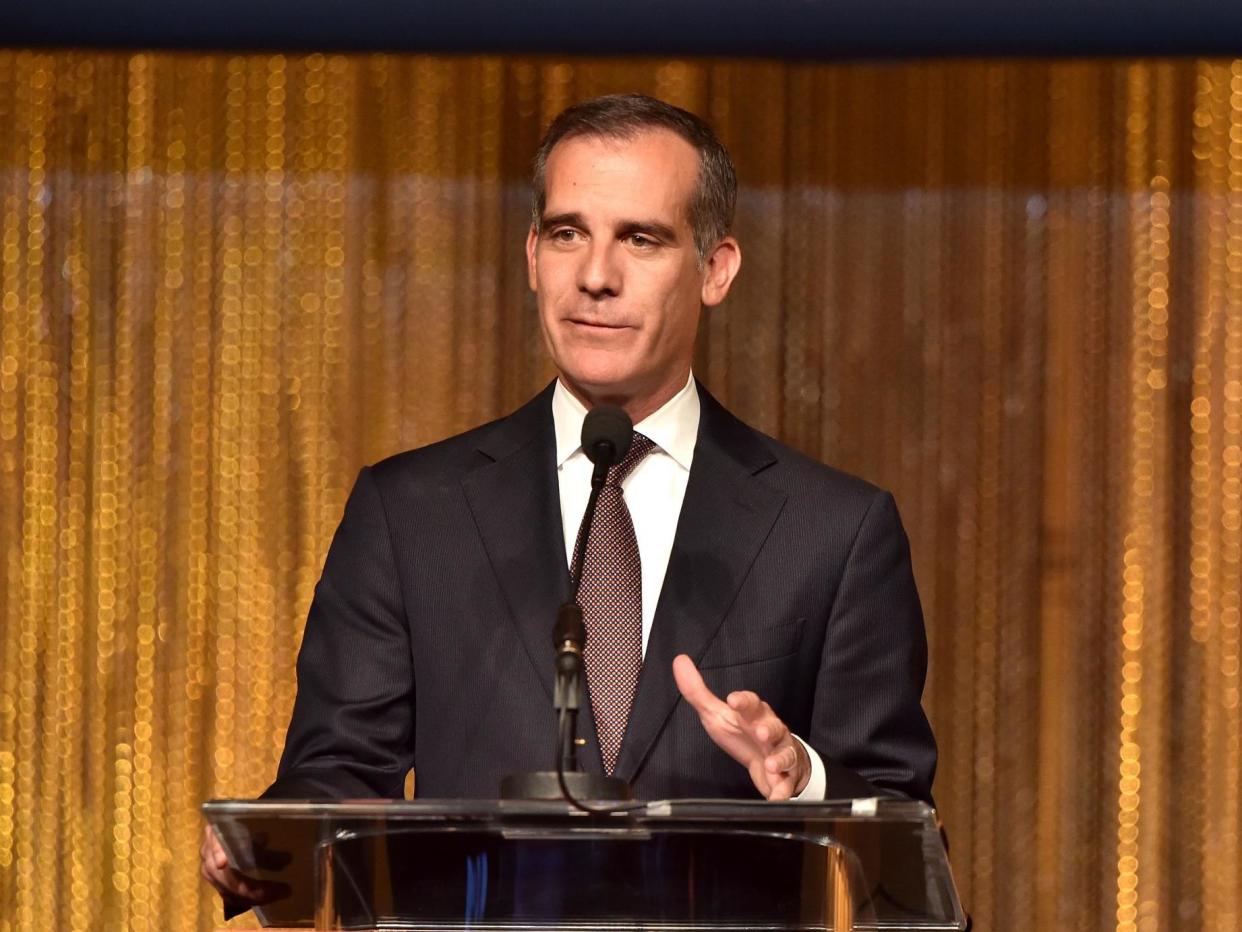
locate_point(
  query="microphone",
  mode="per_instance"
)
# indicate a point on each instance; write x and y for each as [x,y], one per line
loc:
[606,435]
[607,432]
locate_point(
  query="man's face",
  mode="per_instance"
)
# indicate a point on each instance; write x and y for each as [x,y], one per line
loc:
[615,270]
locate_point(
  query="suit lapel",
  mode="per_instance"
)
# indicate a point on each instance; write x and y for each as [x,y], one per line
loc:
[516,506]
[726,516]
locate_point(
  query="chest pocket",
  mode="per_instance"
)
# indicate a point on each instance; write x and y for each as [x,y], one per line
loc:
[732,648]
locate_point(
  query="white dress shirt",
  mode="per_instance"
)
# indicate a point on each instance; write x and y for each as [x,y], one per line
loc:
[654,491]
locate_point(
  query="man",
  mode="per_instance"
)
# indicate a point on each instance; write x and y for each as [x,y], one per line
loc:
[747,571]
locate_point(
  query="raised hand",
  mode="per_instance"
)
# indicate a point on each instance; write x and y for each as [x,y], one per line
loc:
[746,728]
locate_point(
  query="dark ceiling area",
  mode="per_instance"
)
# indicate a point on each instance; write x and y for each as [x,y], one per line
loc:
[798,29]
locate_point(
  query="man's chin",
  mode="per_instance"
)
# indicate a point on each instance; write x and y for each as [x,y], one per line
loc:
[600,384]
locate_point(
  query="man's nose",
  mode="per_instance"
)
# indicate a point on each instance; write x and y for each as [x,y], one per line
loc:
[600,273]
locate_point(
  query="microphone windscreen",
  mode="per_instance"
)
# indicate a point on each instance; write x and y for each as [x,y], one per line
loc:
[606,434]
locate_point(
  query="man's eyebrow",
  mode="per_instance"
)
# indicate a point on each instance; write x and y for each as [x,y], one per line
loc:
[573,219]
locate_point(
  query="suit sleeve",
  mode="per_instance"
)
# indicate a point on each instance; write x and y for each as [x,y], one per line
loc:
[351,731]
[868,719]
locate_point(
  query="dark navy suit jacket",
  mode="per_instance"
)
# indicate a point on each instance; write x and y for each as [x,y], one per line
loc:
[428,643]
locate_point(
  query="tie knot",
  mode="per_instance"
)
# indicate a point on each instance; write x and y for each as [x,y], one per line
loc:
[640,446]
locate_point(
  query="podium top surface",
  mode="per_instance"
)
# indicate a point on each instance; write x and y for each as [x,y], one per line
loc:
[509,864]
[708,810]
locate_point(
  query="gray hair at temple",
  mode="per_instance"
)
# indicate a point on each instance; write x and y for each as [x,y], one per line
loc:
[624,116]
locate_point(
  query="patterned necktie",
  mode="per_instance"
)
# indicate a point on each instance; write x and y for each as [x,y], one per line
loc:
[611,596]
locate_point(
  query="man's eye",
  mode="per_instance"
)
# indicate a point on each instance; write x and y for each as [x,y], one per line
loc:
[642,241]
[564,235]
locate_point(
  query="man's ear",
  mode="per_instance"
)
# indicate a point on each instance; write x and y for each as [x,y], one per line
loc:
[721,267]
[532,240]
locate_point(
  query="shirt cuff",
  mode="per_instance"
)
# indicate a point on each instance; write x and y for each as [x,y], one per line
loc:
[817,785]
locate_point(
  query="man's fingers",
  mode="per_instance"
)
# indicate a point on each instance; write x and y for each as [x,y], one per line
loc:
[745,702]
[231,884]
[756,715]
[693,689]
[217,852]
[783,761]
[771,732]
[212,852]
[781,790]
[781,775]
[240,887]
[205,853]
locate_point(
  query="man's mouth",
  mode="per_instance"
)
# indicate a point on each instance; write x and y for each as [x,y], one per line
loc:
[597,324]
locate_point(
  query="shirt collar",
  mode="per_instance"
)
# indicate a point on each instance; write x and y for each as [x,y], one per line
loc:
[673,428]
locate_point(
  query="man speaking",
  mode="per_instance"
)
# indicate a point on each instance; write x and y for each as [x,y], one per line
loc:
[753,627]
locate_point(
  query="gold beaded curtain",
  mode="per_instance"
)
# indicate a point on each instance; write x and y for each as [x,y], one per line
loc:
[1011,292]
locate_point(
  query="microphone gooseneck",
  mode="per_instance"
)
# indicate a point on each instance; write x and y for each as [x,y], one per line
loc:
[607,432]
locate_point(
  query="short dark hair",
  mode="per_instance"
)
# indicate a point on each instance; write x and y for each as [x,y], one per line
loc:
[624,116]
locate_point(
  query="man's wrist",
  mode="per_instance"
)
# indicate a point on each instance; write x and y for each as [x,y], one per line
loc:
[816,784]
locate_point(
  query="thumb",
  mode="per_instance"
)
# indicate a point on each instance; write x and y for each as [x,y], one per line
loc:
[218,857]
[693,689]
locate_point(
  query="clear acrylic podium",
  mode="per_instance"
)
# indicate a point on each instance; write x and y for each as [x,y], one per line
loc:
[678,865]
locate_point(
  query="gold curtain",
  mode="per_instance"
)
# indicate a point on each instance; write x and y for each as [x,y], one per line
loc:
[1011,292]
